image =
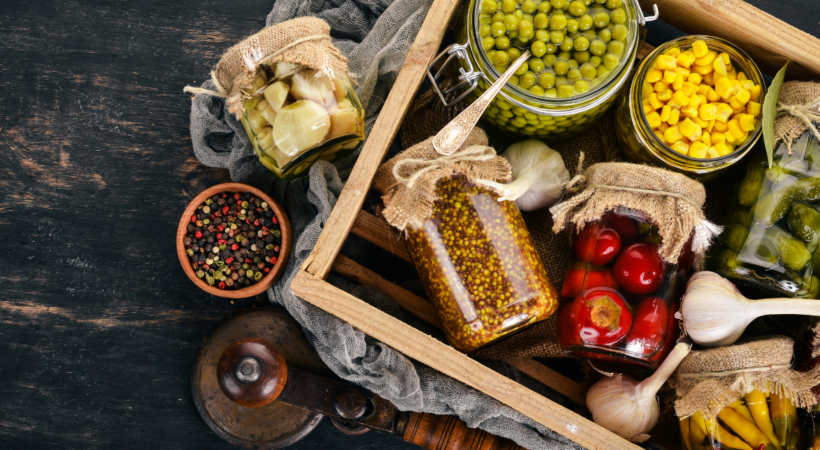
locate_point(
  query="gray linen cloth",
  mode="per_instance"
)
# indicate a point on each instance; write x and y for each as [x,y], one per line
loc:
[376,36]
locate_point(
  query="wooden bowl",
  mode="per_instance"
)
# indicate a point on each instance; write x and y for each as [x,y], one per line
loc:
[284,247]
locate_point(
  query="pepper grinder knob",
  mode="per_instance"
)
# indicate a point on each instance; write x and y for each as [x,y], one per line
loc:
[252,373]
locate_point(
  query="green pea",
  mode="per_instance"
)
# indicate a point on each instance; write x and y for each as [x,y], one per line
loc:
[551,93]
[484,18]
[521,42]
[589,71]
[612,4]
[565,56]
[615,47]
[518,14]
[549,60]
[514,53]
[490,56]
[544,7]
[601,20]
[542,35]
[577,8]
[514,80]
[484,30]
[567,45]
[546,80]
[525,30]
[620,32]
[527,17]
[558,4]
[561,67]
[501,59]
[597,47]
[502,43]
[528,6]
[541,21]
[512,34]
[595,61]
[605,35]
[536,65]
[500,69]
[498,29]
[581,86]
[556,37]
[618,16]
[558,22]
[600,2]
[510,22]
[574,35]
[489,6]
[522,69]
[560,81]
[590,35]
[574,75]
[581,43]
[581,57]
[538,48]
[497,17]
[585,22]
[610,61]
[487,43]
[527,80]
[551,48]
[602,69]
[508,6]
[565,91]
[536,90]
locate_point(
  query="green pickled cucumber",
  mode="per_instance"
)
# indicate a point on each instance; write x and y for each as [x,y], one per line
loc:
[793,252]
[744,217]
[813,288]
[734,236]
[804,223]
[726,262]
[777,203]
[750,187]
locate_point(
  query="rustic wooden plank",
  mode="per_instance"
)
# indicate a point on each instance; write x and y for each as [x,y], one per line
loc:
[423,348]
[768,40]
[574,391]
[384,131]
[378,232]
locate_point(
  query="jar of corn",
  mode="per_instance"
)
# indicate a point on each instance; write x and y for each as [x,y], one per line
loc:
[694,106]
[582,52]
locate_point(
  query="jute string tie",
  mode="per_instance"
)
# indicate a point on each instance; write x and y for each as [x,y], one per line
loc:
[419,167]
[807,113]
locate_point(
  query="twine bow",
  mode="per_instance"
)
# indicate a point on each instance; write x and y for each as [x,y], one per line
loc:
[419,167]
[808,113]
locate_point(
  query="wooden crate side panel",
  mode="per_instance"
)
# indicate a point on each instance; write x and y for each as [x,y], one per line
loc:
[423,348]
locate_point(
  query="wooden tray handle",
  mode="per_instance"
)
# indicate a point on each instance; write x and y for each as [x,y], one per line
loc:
[434,432]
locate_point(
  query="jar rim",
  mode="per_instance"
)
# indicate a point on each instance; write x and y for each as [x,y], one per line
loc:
[570,105]
[746,63]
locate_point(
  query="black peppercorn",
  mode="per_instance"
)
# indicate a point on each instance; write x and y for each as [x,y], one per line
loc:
[210,239]
[208,248]
[191,228]
[187,241]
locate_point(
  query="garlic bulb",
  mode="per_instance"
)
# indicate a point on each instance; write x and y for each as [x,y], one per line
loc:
[715,313]
[629,408]
[539,174]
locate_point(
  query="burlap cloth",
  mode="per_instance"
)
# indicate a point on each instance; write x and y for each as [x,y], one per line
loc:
[798,107]
[709,380]
[304,41]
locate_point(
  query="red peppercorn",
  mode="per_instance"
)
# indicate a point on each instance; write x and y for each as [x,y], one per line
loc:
[256,223]
[253,199]
[220,227]
[273,260]
[224,195]
[221,285]
[225,210]
[276,249]
[274,219]
[266,269]
[231,233]
[265,231]
[235,247]
[206,266]
[229,260]
[248,261]
[222,242]
[237,196]
[219,235]
[193,218]
[198,235]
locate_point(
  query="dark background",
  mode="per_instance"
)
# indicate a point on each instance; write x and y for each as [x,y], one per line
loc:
[98,322]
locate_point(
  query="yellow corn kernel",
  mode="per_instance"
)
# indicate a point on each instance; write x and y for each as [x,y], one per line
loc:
[689,111]
[703,89]
[741,77]
[653,100]
[703,99]
[724,88]
[723,149]
[654,119]
[695,78]
[734,128]
[688,88]
[703,70]
[680,147]
[664,126]
[725,58]
[674,117]
[730,139]
[653,76]
[723,112]
[699,48]
[646,89]
[747,122]
[665,96]
[666,62]
[732,75]
[685,59]
[670,76]
[665,112]
[683,71]
[743,96]
[706,138]
[685,140]
[680,98]
[755,92]
[672,135]
[707,112]
[659,134]
[700,122]
[660,86]
[698,150]
[710,125]
[721,126]
[712,95]
[706,60]
[753,108]
[694,101]
[647,107]
[712,153]
[717,138]
[741,110]
[719,66]
[687,128]
[709,78]
[674,51]
[748,84]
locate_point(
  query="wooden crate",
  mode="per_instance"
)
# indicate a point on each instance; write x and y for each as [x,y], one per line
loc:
[764,37]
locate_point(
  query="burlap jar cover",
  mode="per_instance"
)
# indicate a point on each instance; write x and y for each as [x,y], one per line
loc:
[709,380]
[304,41]
[798,108]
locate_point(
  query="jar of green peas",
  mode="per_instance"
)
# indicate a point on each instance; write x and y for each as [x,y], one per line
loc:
[582,54]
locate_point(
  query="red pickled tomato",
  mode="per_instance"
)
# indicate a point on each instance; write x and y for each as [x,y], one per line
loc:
[649,327]
[624,225]
[639,269]
[596,277]
[600,317]
[597,244]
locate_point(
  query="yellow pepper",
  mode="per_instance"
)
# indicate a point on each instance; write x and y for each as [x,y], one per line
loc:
[756,401]
[744,428]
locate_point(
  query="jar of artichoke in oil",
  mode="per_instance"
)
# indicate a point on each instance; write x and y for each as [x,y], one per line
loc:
[479,265]
[582,53]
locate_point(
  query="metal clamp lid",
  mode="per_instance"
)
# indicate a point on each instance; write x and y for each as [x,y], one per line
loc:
[467,78]
[643,19]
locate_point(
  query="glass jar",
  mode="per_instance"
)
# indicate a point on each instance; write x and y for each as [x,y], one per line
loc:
[542,109]
[769,245]
[619,297]
[294,118]
[640,144]
[479,266]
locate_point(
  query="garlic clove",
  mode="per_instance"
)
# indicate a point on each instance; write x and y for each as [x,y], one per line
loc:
[276,94]
[284,69]
[305,85]
[256,121]
[265,138]
[300,126]
[343,122]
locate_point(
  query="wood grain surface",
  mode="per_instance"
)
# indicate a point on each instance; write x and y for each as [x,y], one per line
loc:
[98,323]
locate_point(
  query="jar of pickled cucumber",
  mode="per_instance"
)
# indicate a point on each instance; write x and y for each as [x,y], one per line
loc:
[769,245]
[294,118]
[693,106]
[582,53]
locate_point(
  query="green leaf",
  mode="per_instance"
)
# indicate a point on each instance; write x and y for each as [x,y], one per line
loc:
[770,111]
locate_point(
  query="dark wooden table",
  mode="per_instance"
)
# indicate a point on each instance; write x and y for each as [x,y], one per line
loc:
[98,323]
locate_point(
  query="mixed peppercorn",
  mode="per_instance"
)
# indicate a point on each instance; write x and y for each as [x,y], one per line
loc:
[479,265]
[233,240]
